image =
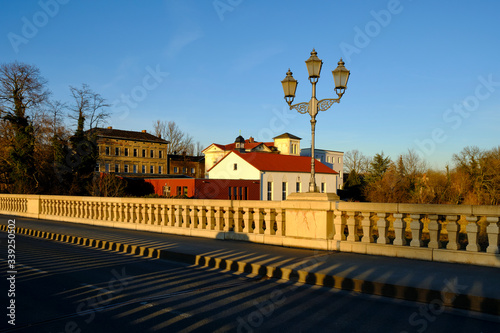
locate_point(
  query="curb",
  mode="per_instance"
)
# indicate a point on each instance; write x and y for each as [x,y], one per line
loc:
[449,299]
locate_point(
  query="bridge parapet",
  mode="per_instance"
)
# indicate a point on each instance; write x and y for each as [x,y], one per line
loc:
[448,233]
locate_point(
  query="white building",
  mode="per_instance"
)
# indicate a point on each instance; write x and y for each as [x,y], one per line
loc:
[285,144]
[279,175]
[331,158]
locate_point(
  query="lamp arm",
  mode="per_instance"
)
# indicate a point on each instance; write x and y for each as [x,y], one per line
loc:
[326,103]
[300,107]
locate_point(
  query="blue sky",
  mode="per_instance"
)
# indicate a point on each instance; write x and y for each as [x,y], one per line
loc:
[425,75]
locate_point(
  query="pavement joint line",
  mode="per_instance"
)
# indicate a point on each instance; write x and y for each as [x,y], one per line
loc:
[461,301]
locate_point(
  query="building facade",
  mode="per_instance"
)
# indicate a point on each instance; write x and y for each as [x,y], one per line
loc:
[278,175]
[286,144]
[129,152]
[331,158]
[191,166]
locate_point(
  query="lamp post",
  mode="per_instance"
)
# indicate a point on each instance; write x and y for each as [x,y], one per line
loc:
[340,76]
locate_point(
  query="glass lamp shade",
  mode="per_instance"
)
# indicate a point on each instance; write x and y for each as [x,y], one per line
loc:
[289,85]
[340,76]
[314,65]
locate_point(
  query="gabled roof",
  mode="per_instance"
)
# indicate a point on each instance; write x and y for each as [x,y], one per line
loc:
[280,163]
[287,136]
[125,135]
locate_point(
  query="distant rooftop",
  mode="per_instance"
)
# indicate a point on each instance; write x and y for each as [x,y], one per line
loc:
[126,135]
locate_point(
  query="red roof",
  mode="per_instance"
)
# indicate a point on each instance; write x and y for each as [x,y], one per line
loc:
[283,163]
[249,144]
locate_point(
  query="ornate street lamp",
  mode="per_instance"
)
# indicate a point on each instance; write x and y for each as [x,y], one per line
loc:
[340,76]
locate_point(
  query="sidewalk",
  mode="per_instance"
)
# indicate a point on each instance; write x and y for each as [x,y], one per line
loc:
[461,286]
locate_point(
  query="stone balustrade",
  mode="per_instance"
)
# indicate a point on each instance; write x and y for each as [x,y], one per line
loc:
[449,233]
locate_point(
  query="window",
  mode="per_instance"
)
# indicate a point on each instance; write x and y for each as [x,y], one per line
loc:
[106,167]
[125,168]
[184,171]
[240,193]
[269,191]
[339,160]
[323,187]
[152,153]
[245,193]
[179,191]
[185,188]
[117,151]
[135,168]
[175,169]
[107,151]
[117,167]
[126,152]
[160,154]
[283,191]
[151,169]
[135,152]
[159,169]
[144,153]
[235,166]
[298,187]
[193,170]
[97,167]
[230,192]
[143,169]
[235,193]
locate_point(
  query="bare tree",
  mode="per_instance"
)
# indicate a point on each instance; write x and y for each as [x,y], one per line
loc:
[354,160]
[90,104]
[180,142]
[198,148]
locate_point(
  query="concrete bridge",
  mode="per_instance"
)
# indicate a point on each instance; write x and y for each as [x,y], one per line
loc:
[446,233]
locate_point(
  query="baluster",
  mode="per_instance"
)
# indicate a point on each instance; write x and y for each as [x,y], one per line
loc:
[247,220]
[351,227]
[258,219]
[228,219]
[416,230]
[238,220]
[193,216]
[399,229]
[383,227]
[280,222]
[151,218]
[453,228]
[269,218]
[171,215]
[202,217]
[158,216]
[117,213]
[472,230]
[366,223]
[339,222]
[493,230]
[219,216]
[434,232]
[185,216]
[210,218]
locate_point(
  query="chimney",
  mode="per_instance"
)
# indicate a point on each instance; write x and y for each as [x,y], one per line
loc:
[251,140]
[110,127]
[144,131]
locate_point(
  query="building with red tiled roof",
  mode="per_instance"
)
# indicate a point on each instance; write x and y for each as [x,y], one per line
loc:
[284,144]
[279,175]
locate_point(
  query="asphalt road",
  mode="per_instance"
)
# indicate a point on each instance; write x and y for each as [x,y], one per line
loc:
[63,287]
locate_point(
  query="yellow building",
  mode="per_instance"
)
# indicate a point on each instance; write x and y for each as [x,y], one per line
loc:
[129,152]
